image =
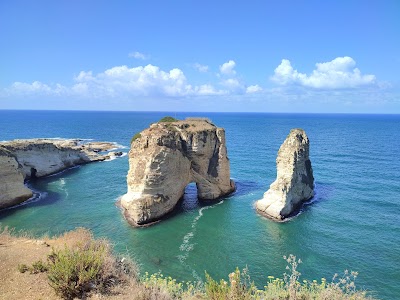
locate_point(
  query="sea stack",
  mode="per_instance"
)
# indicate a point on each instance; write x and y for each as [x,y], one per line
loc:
[165,158]
[294,183]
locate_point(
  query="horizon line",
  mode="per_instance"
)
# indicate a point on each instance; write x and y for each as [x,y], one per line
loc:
[212,112]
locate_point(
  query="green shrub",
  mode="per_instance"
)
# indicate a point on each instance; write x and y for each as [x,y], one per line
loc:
[135,137]
[89,266]
[72,272]
[239,287]
[23,268]
[168,119]
[38,267]
[169,286]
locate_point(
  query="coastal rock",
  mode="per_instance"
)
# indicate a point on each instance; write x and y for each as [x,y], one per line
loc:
[12,188]
[25,159]
[168,156]
[295,181]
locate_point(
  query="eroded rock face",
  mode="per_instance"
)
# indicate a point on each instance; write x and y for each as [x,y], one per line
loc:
[165,158]
[23,159]
[12,188]
[295,181]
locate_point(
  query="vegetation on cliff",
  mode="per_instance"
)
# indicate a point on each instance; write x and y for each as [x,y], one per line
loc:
[83,267]
[168,119]
[135,137]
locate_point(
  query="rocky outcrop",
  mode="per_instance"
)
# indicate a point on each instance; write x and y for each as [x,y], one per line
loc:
[12,188]
[168,156]
[24,159]
[295,181]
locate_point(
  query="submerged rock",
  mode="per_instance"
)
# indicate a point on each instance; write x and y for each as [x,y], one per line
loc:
[168,156]
[295,181]
[25,159]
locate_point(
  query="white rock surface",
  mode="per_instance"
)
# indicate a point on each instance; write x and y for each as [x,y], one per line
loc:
[165,159]
[23,159]
[295,181]
[12,188]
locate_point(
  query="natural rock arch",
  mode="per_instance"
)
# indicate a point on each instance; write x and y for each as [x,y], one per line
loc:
[168,156]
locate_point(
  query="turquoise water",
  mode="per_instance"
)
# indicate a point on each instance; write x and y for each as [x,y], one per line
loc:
[353,222]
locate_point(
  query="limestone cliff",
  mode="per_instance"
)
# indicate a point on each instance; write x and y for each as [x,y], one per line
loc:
[295,181]
[23,159]
[168,156]
[12,188]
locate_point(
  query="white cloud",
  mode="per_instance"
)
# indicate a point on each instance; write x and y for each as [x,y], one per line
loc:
[201,68]
[139,55]
[34,88]
[231,83]
[119,81]
[228,68]
[337,74]
[139,81]
[123,82]
[208,90]
[253,89]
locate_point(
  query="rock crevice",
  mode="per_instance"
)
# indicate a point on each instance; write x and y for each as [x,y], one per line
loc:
[165,159]
[295,181]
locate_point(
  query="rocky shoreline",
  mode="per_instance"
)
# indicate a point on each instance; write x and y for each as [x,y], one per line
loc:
[23,159]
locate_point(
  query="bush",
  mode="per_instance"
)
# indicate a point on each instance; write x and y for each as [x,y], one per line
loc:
[166,285]
[23,268]
[91,266]
[288,288]
[38,267]
[239,287]
[168,119]
[135,137]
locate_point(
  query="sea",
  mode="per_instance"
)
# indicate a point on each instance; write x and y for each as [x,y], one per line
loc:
[352,223]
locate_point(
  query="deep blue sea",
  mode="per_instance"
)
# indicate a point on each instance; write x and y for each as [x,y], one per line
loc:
[353,222]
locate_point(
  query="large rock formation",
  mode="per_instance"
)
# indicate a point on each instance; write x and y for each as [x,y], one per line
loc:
[23,159]
[12,188]
[295,181]
[168,156]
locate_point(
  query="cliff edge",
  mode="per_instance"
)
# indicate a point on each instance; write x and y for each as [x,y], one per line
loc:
[295,181]
[168,156]
[24,159]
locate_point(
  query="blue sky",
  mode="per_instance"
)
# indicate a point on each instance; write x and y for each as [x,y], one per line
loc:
[262,56]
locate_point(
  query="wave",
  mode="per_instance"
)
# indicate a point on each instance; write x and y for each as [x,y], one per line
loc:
[186,247]
[37,196]
[62,171]
[115,157]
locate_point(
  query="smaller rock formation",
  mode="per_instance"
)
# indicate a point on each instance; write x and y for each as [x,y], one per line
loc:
[168,156]
[295,181]
[23,159]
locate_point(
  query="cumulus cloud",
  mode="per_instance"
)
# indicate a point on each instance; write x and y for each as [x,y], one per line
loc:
[336,74]
[137,81]
[228,68]
[253,89]
[125,82]
[119,81]
[208,90]
[201,68]
[34,88]
[139,55]
[231,83]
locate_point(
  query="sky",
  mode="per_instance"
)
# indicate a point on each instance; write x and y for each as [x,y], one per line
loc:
[218,56]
